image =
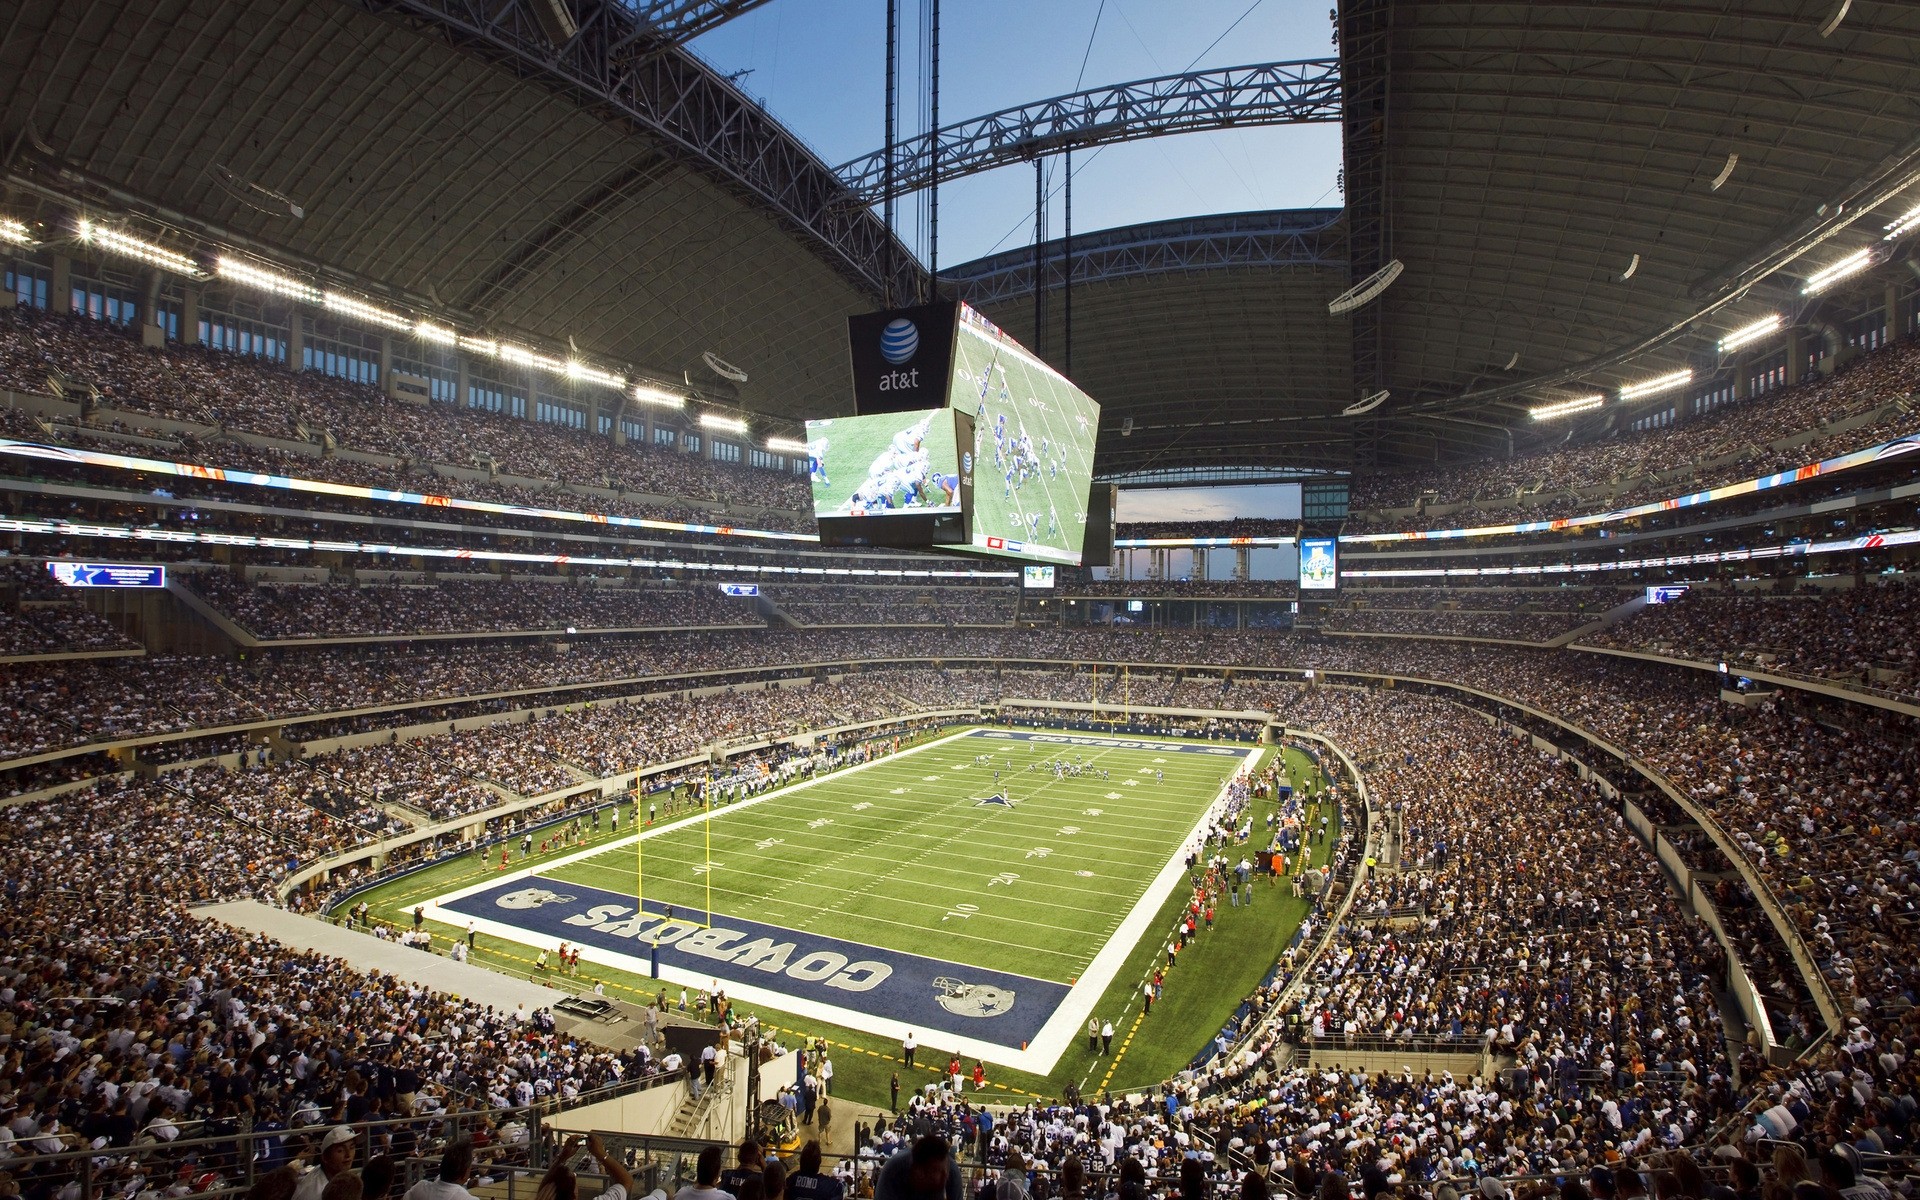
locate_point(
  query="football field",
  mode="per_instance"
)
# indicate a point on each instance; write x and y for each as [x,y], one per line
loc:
[965,889]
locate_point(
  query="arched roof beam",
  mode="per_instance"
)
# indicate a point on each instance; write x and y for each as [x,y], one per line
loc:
[1287,93]
[612,62]
[676,21]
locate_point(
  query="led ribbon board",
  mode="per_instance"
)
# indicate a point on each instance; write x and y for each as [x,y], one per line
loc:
[128,533]
[293,483]
[1865,541]
[1830,466]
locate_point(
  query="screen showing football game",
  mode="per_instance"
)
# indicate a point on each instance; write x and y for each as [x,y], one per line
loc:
[1033,437]
[1038,577]
[1319,564]
[885,465]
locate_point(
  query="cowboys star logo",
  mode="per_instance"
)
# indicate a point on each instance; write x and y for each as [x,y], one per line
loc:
[531,897]
[972,999]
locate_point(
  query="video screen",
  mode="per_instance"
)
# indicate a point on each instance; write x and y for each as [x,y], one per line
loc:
[1319,564]
[885,465]
[107,575]
[1038,577]
[1209,504]
[1033,436]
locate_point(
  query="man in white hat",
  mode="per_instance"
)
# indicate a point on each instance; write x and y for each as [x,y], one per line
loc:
[336,1158]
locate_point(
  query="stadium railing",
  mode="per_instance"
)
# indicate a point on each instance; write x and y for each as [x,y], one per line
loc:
[221,1165]
[1902,700]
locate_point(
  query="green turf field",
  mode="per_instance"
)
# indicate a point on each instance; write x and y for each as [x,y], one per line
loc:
[817,872]
[902,855]
[855,453]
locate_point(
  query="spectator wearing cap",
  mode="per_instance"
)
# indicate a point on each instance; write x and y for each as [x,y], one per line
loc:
[336,1157]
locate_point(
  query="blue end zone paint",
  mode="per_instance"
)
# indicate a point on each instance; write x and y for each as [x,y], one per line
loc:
[1045,740]
[991,1006]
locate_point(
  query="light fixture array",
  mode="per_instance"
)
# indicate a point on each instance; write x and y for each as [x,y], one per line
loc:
[1657,385]
[724,424]
[647,393]
[127,246]
[1566,408]
[1833,273]
[1904,225]
[260,277]
[1748,334]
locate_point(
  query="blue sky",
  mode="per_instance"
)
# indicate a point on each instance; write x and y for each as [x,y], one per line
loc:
[819,65]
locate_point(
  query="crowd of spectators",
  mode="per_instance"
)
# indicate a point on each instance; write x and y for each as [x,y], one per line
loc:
[829,605]
[284,610]
[1525,912]
[226,391]
[1862,635]
[55,772]
[293,803]
[56,708]
[58,629]
[129,1021]
[1494,599]
[1553,935]
[1451,622]
[522,757]
[1733,439]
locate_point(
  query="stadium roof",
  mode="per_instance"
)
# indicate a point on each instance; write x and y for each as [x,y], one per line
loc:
[576,175]
[584,181]
[1515,158]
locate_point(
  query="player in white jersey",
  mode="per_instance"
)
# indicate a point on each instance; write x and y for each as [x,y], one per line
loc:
[899,468]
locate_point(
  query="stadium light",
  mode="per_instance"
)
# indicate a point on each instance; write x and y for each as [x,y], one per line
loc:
[360,310]
[127,246]
[1904,225]
[1657,385]
[248,275]
[523,357]
[1746,335]
[579,370]
[15,232]
[1827,276]
[781,445]
[479,345]
[725,424]
[647,393]
[440,335]
[1566,408]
